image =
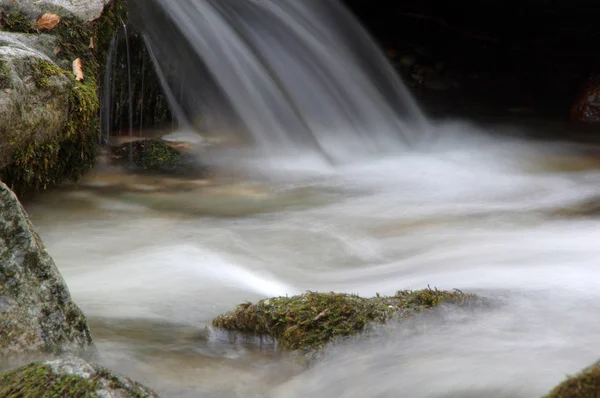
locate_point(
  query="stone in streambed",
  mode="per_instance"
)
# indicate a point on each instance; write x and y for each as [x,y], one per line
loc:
[312,320]
[37,314]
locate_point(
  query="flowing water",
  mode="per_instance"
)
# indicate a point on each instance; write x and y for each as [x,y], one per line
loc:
[358,193]
[151,260]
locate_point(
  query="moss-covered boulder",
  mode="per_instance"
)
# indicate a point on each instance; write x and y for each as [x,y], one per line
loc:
[312,320]
[584,385]
[51,52]
[37,314]
[69,377]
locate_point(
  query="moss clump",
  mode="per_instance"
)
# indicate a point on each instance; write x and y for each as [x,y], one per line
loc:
[54,379]
[38,380]
[312,320]
[43,71]
[149,155]
[584,385]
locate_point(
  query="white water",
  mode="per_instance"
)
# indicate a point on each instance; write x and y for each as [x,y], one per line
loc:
[293,75]
[473,213]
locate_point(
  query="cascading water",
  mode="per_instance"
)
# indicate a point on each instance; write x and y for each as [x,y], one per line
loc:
[294,75]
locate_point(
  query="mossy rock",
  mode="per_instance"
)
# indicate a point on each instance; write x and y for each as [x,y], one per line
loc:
[69,377]
[311,320]
[49,126]
[149,155]
[584,385]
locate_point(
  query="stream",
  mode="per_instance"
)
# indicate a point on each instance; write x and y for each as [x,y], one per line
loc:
[151,260]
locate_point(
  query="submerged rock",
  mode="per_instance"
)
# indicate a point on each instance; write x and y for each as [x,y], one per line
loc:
[312,320]
[149,155]
[37,314]
[584,385]
[69,377]
[154,155]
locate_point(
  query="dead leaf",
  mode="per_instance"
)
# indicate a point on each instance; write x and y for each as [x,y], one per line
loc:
[321,314]
[78,69]
[47,21]
[92,42]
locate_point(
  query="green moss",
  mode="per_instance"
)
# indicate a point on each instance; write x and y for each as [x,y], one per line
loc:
[149,155]
[312,320]
[12,20]
[90,41]
[5,80]
[584,385]
[38,380]
[43,71]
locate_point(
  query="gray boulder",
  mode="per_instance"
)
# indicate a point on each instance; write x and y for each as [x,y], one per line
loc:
[85,10]
[37,312]
[69,377]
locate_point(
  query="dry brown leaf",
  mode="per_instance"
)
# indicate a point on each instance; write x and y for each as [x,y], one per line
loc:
[47,21]
[92,42]
[78,69]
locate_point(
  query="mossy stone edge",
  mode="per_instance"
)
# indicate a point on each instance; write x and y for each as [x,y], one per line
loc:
[586,384]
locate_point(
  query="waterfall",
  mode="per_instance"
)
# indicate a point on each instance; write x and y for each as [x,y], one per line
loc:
[291,75]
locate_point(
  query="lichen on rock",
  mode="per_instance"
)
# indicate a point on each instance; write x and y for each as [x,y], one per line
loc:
[38,314]
[69,377]
[311,320]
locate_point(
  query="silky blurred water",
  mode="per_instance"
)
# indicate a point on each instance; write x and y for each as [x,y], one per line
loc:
[473,211]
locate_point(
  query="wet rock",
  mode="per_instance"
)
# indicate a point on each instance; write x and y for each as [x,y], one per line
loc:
[38,314]
[69,377]
[587,105]
[584,385]
[312,320]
